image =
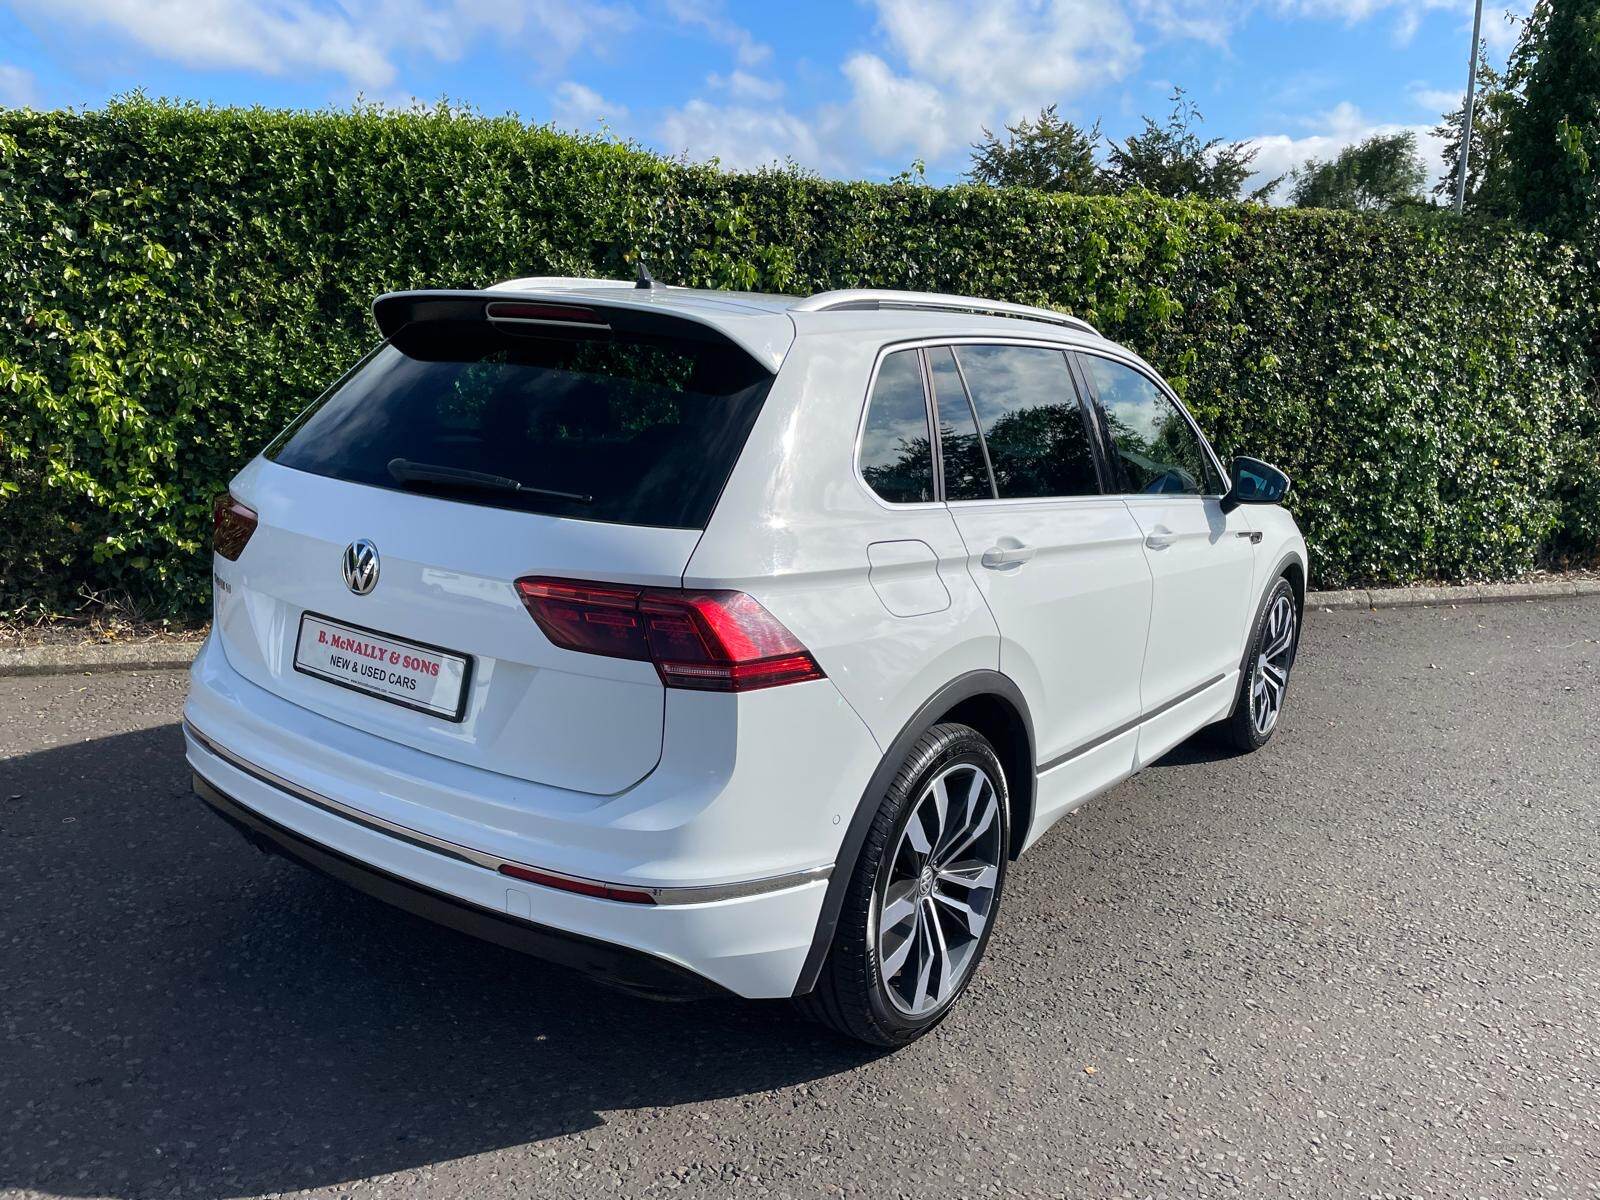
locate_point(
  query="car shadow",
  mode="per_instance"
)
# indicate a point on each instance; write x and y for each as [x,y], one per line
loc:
[1207,746]
[185,1016]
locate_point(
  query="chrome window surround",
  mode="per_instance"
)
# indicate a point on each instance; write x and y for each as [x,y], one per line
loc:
[1161,386]
[925,343]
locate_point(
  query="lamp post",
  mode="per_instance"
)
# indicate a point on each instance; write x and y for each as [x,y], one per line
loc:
[1466,124]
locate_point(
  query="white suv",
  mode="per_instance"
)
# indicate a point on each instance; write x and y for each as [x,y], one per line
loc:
[708,641]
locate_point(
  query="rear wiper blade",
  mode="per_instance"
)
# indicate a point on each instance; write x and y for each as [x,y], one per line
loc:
[406,471]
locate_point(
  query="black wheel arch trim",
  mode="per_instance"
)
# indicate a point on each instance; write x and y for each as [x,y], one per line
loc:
[1278,572]
[963,687]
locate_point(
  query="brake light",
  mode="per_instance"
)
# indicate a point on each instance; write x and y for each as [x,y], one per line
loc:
[552,314]
[232,524]
[716,641]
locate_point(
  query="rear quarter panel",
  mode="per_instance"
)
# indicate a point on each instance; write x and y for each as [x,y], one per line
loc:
[794,527]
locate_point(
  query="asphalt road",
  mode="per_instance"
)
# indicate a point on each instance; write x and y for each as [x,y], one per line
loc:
[1363,961]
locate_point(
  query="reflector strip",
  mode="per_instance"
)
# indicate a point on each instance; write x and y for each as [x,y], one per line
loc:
[584,887]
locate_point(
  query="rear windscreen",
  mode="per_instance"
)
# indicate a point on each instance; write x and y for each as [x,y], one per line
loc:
[639,431]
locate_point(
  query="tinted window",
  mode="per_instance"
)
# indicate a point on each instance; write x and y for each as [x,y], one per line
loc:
[1157,450]
[642,431]
[1028,410]
[966,474]
[896,452]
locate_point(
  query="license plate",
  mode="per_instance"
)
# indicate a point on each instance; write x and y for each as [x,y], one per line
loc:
[410,674]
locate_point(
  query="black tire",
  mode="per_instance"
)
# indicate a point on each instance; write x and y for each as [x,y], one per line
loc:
[851,996]
[1240,729]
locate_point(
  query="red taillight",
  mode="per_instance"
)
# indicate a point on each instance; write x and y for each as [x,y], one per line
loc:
[709,641]
[231,526]
[584,887]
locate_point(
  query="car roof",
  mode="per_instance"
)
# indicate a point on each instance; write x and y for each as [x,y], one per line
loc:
[765,324]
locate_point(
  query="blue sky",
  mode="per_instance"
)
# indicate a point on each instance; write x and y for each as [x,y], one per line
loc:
[849,88]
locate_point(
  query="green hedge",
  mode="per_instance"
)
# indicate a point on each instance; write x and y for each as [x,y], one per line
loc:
[177,281]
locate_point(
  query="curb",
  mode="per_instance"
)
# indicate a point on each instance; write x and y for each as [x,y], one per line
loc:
[1364,599]
[176,656]
[70,660]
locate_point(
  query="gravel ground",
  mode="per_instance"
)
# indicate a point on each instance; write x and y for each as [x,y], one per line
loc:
[1364,961]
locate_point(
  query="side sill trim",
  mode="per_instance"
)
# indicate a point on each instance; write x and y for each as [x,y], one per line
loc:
[1062,759]
[697,894]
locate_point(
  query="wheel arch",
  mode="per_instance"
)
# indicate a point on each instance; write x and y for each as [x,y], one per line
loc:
[1293,568]
[993,705]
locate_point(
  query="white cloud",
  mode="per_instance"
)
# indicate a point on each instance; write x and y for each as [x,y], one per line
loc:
[252,36]
[1341,126]
[965,64]
[1408,15]
[1197,20]
[745,86]
[742,138]
[1437,100]
[945,68]
[552,30]
[707,16]
[1502,25]
[1010,56]
[577,106]
[17,88]
[1214,21]
[890,112]
[354,39]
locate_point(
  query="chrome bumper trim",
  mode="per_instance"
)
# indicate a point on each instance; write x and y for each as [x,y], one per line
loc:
[699,894]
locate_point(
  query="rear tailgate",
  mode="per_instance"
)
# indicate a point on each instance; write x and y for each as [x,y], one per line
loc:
[461,456]
[445,581]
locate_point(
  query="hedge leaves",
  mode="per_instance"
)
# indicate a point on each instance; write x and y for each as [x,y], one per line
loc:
[178,281]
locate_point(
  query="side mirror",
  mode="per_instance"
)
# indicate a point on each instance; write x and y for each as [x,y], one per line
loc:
[1254,482]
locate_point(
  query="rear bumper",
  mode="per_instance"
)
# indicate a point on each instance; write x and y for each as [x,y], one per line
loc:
[637,972]
[738,892]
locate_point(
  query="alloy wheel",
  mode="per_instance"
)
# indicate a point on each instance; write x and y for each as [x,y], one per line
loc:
[1270,680]
[937,890]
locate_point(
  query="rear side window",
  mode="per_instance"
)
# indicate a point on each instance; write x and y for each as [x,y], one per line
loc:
[637,431]
[896,451]
[1032,423]
[966,472]
[1157,449]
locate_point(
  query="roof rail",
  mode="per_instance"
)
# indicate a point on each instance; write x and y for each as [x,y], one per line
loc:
[880,298]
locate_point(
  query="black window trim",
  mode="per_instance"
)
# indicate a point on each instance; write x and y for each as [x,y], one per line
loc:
[1096,450]
[1116,477]
[1094,423]
[977,425]
[928,414]
[930,410]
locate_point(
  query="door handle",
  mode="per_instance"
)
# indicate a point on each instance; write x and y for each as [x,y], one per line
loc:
[1160,538]
[1007,554]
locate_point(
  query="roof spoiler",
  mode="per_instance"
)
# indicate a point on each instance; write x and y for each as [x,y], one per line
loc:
[630,312]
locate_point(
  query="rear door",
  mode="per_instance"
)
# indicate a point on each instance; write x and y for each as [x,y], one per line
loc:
[1059,563]
[466,455]
[1202,560]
